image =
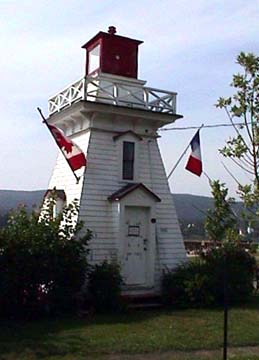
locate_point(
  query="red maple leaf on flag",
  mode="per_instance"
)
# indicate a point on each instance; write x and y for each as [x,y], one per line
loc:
[71,151]
[62,140]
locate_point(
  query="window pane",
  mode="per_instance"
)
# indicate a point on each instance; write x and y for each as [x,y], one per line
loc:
[94,59]
[128,160]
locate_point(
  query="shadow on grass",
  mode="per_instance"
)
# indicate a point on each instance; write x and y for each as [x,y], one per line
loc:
[60,336]
[68,335]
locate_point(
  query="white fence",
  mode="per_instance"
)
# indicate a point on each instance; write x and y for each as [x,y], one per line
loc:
[115,93]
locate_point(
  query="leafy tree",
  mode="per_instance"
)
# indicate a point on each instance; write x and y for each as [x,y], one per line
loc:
[242,110]
[221,222]
[3,220]
[42,261]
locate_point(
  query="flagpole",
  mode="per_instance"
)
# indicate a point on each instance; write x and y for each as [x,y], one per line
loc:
[225,293]
[207,176]
[225,327]
[180,158]
[177,163]
[46,123]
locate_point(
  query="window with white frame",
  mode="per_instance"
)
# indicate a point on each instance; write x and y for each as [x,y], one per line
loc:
[128,160]
[56,199]
[94,59]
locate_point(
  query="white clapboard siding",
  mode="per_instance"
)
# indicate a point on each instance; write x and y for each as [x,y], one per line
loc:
[170,248]
[102,179]
[100,182]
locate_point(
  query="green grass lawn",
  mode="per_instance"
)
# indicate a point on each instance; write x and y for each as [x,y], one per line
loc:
[135,332]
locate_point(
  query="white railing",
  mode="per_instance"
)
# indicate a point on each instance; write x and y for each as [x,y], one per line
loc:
[115,93]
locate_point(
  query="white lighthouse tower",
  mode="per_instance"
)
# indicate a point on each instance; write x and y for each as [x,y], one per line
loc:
[123,193]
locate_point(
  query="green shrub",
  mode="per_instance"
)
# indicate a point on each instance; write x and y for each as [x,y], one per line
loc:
[253,248]
[187,285]
[42,264]
[104,286]
[240,268]
[200,282]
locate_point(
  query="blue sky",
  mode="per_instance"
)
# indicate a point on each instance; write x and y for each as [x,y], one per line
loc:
[189,47]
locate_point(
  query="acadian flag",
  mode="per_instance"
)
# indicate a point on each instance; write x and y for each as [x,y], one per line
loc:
[194,163]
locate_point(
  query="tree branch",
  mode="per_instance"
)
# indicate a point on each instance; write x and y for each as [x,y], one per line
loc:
[241,166]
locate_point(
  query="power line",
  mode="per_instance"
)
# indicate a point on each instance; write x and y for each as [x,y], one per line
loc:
[205,126]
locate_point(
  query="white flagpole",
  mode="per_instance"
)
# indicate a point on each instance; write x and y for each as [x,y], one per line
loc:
[180,158]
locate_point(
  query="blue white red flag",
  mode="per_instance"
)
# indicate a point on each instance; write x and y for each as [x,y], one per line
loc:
[194,163]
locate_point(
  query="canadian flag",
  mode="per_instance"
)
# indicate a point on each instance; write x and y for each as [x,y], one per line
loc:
[72,152]
[194,163]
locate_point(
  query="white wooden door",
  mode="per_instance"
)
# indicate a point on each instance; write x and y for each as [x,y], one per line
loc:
[135,245]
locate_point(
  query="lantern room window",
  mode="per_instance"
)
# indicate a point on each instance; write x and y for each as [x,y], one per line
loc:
[128,160]
[94,59]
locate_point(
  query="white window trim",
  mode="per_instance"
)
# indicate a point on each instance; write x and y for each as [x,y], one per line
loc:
[94,60]
[129,138]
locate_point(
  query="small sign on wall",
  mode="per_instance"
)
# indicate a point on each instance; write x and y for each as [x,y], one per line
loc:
[133,230]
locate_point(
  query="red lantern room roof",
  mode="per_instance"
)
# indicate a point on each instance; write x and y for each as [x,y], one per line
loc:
[112,54]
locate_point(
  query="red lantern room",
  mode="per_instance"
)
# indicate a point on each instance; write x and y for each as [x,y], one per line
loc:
[112,54]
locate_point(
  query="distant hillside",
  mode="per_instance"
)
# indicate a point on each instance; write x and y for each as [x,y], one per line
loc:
[10,199]
[193,208]
[190,208]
